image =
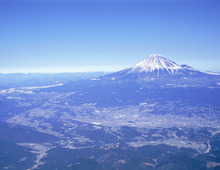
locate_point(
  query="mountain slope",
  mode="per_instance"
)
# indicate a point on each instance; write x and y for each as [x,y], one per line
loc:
[156,66]
[158,71]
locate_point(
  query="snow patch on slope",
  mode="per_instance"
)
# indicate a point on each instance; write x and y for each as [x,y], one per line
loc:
[217,74]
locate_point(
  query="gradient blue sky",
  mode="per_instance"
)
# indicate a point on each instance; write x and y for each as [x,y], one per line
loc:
[107,35]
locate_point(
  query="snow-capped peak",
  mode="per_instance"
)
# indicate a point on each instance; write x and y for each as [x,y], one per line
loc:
[156,62]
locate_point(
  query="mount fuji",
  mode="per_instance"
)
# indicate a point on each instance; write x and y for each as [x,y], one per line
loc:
[156,70]
[155,64]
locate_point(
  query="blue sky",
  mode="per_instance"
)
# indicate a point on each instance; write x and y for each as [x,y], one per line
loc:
[107,35]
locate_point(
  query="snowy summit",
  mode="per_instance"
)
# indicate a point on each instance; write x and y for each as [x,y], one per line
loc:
[156,62]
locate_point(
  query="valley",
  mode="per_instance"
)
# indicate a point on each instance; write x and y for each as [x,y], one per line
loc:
[119,123]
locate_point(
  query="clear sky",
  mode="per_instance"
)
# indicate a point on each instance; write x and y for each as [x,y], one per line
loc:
[107,35]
